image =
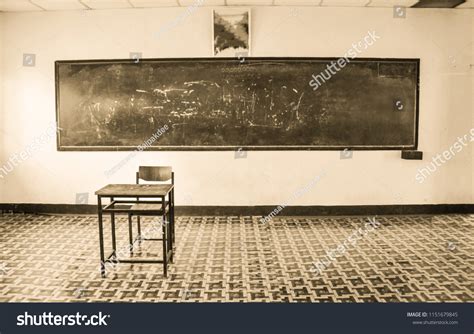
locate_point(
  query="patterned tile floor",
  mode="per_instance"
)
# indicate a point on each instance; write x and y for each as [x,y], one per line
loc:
[238,259]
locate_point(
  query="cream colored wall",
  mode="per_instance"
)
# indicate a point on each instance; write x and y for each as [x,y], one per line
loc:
[216,178]
[471,65]
[2,158]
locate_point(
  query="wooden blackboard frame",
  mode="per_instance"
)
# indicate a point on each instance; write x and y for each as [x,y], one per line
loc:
[414,146]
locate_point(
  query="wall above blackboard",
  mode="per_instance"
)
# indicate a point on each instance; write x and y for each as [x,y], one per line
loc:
[228,103]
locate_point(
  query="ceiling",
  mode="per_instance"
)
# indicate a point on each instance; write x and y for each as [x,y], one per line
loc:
[54,5]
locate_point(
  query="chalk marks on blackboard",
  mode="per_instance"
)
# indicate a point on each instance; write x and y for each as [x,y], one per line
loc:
[335,66]
[394,70]
[263,103]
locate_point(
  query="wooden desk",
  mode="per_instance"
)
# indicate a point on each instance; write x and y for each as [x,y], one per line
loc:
[135,190]
[159,192]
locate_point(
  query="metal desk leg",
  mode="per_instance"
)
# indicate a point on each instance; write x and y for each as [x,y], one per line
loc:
[112,223]
[130,232]
[164,231]
[101,237]
[139,228]
[169,227]
[169,237]
[171,219]
[165,250]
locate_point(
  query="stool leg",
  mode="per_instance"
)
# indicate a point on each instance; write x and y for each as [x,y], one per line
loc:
[169,227]
[114,243]
[130,232]
[101,237]
[139,230]
[165,247]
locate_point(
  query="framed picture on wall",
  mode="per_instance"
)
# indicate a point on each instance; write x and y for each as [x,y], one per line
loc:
[231,32]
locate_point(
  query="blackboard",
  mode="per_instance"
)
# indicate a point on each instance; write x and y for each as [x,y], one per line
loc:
[230,103]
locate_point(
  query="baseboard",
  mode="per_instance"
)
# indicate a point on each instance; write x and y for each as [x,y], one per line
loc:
[315,210]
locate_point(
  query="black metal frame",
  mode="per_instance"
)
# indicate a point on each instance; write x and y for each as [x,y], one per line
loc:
[247,148]
[138,214]
[167,208]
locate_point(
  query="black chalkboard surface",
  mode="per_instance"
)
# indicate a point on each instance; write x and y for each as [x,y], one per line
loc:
[224,104]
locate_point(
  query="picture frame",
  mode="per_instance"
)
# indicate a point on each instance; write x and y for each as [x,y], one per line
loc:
[231,32]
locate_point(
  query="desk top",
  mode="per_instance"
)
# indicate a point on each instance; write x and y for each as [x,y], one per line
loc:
[135,190]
